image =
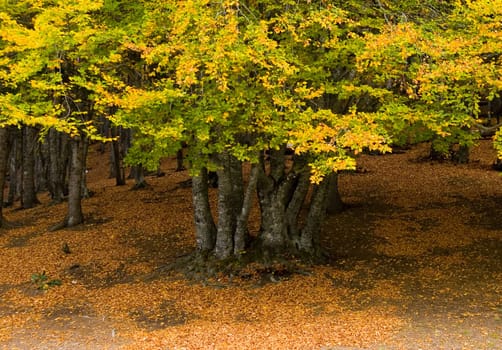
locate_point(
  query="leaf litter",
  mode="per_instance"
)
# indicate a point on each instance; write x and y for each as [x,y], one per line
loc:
[416,263]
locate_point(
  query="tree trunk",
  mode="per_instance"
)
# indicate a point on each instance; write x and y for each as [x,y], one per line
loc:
[74,215]
[179,160]
[117,168]
[205,229]
[28,196]
[84,190]
[309,240]
[460,154]
[230,199]
[301,188]
[42,167]
[15,168]
[58,155]
[241,237]
[138,173]
[4,158]
[334,204]
[273,191]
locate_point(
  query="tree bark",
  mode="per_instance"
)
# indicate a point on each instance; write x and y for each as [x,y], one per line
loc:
[138,173]
[4,159]
[74,215]
[241,237]
[28,196]
[301,188]
[58,155]
[335,203]
[117,168]
[42,167]
[179,160]
[84,190]
[309,240]
[230,198]
[15,167]
[205,228]
[273,190]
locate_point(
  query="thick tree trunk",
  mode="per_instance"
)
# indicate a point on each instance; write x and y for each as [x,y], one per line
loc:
[273,192]
[230,199]
[28,196]
[241,237]
[309,240]
[205,229]
[4,158]
[74,215]
[301,189]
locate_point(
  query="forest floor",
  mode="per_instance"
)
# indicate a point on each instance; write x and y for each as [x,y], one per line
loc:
[415,263]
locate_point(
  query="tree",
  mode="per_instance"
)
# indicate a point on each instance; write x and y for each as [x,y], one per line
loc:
[240,82]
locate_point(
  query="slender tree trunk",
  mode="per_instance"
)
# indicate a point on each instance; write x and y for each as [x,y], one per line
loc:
[74,215]
[42,167]
[84,190]
[179,160]
[460,154]
[104,130]
[57,165]
[139,176]
[15,168]
[334,204]
[28,197]
[4,159]
[117,168]
[205,229]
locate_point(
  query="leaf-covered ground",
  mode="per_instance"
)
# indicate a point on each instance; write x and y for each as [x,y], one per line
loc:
[416,263]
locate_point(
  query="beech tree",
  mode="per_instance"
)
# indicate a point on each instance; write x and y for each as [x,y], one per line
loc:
[240,82]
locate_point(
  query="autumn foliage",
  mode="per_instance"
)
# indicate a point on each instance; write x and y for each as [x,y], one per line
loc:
[238,84]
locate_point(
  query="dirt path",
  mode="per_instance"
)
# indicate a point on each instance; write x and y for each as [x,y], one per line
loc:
[416,263]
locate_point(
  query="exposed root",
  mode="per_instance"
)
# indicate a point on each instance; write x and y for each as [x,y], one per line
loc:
[247,268]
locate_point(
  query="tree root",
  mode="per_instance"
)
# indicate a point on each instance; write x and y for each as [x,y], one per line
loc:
[249,268]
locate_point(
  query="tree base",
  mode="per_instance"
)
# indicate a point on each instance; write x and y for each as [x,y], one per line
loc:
[140,186]
[255,267]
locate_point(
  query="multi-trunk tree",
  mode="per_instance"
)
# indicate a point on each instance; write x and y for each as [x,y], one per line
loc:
[276,97]
[241,83]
